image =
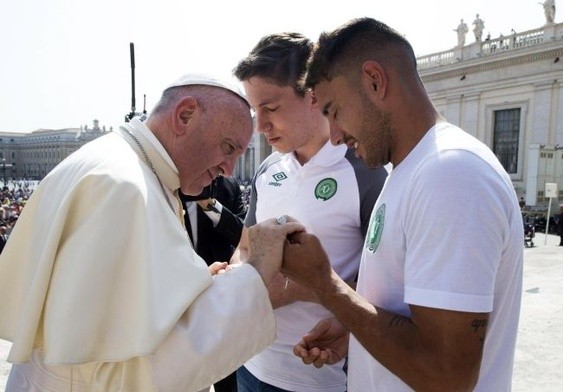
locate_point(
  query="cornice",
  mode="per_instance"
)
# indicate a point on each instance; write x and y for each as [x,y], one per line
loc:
[487,65]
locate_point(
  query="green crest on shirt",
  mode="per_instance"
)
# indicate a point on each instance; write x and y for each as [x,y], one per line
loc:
[326,188]
[375,229]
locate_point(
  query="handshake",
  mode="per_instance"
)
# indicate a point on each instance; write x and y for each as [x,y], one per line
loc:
[283,245]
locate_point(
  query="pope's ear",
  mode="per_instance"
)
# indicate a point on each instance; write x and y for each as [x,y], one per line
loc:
[184,113]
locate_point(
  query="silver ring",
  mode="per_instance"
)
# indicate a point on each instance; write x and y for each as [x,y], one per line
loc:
[281,219]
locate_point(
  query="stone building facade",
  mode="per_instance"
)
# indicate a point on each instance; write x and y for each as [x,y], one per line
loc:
[508,92]
[33,155]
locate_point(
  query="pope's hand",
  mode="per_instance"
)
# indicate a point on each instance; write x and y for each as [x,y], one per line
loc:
[218,267]
[266,242]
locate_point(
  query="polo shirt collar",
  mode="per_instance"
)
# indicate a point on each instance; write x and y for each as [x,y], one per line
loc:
[327,156]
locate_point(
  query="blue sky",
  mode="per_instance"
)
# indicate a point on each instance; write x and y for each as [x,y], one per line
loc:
[66,62]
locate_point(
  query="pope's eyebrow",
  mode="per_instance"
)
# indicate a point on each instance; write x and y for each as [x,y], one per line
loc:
[235,144]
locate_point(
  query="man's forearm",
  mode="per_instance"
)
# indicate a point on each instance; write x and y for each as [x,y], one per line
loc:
[397,342]
[284,291]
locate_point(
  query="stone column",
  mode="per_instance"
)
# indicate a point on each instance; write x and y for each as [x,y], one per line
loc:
[541,112]
[470,115]
[532,177]
[558,121]
[453,109]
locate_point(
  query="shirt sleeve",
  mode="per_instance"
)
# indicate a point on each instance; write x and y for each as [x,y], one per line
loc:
[217,334]
[456,225]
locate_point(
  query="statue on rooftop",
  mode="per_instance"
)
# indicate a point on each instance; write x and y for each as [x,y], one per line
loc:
[479,27]
[549,10]
[461,30]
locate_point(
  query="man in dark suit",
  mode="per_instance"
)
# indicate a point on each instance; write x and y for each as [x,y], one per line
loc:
[216,218]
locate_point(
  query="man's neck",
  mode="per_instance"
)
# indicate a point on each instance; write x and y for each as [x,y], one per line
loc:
[304,153]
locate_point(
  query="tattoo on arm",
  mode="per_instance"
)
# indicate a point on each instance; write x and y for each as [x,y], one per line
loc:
[399,321]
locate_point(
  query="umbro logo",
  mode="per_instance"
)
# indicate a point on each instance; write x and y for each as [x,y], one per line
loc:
[278,177]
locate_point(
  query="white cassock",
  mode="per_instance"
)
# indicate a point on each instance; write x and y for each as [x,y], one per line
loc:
[100,289]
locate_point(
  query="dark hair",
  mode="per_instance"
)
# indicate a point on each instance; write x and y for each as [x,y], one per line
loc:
[281,58]
[358,40]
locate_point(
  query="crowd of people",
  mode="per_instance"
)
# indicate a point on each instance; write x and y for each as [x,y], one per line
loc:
[245,188]
[13,197]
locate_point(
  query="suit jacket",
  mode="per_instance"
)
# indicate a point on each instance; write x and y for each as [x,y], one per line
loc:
[218,243]
[3,240]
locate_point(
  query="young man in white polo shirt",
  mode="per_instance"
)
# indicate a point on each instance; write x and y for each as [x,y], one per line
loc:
[324,186]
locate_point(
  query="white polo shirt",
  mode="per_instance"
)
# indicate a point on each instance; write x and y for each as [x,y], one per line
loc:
[332,195]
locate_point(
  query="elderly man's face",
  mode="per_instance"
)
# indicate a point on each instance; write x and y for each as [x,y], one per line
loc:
[213,146]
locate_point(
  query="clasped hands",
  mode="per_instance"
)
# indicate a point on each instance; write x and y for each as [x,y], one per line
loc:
[283,245]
